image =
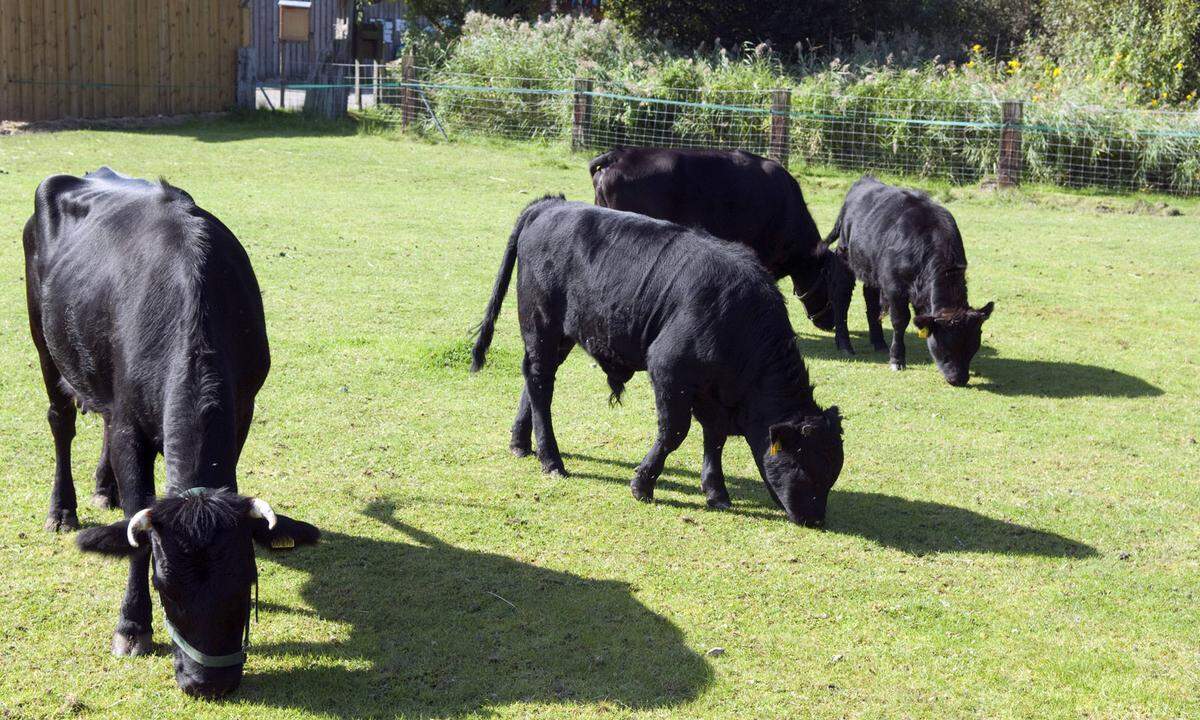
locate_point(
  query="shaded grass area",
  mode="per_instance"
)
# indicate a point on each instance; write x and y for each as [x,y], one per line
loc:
[1022,547]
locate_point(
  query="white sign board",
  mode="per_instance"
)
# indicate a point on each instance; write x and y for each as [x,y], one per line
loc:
[387,32]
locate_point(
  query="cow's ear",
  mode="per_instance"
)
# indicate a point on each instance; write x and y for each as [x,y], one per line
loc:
[783,435]
[986,311]
[833,419]
[286,534]
[110,540]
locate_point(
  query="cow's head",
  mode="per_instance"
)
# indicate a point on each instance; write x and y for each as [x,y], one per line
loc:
[802,464]
[202,560]
[953,339]
[811,283]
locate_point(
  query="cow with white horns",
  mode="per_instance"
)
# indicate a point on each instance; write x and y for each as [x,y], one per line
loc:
[144,308]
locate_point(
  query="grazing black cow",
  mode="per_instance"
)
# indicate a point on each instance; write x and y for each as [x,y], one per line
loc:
[734,195]
[698,314]
[144,309]
[905,248]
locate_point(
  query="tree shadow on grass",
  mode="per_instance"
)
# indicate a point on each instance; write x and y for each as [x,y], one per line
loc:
[1001,375]
[440,631]
[916,527]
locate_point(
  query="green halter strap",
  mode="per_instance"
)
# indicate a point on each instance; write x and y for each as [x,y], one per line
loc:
[203,659]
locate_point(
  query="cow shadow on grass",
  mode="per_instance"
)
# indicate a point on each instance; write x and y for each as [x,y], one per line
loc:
[1001,375]
[916,527]
[437,630]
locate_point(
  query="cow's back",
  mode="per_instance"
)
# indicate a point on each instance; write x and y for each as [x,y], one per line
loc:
[736,196]
[132,275]
[621,280]
[897,232]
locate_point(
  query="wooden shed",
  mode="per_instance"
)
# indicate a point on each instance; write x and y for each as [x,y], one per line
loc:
[91,59]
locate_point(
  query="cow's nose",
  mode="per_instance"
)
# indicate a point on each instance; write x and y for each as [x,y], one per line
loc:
[213,687]
[958,380]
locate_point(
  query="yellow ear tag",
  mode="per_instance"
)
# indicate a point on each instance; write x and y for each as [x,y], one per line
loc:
[774,448]
[922,333]
[282,542]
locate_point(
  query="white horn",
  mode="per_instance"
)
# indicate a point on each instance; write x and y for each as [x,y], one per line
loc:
[260,509]
[140,522]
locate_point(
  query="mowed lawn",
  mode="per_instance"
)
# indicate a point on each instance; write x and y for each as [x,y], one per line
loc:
[1025,547]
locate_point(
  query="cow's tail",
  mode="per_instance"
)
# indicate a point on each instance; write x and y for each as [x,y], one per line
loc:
[487,327]
[836,232]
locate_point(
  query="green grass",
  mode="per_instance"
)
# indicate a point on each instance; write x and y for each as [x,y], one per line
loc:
[1025,547]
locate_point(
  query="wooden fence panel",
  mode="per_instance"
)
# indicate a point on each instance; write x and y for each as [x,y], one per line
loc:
[112,58]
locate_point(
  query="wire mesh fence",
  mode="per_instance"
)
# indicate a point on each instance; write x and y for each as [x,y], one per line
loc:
[957,141]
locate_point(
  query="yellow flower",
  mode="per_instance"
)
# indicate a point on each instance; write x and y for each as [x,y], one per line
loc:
[1179,65]
[1037,97]
[970,63]
[1117,57]
[1191,95]
[1164,93]
[1014,63]
[1057,72]
[1153,103]
[976,48]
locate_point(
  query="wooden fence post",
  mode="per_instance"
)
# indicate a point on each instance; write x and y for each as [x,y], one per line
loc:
[778,145]
[247,78]
[375,82]
[1008,167]
[408,93]
[582,119]
[358,83]
[282,78]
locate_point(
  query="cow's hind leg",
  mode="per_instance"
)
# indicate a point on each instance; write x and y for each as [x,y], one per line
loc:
[132,458]
[874,317]
[841,287]
[521,443]
[900,317]
[106,495]
[540,365]
[673,401]
[712,476]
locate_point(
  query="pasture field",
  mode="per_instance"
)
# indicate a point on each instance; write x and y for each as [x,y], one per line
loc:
[1025,547]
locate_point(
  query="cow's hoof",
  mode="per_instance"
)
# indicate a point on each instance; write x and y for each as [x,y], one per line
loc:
[897,366]
[104,501]
[643,490]
[61,521]
[520,450]
[132,645]
[555,470]
[719,503]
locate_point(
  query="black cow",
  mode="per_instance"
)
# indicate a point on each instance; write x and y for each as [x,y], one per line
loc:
[734,195]
[905,248]
[144,309]
[698,314]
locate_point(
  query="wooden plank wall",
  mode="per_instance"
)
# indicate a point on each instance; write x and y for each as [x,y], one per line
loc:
[115,58]
[300,59]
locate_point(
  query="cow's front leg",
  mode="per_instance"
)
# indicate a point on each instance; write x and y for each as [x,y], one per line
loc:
[900,317]
[712,476]
[132,460]
[674,404]
[105,496]
[874,317]
[62,515]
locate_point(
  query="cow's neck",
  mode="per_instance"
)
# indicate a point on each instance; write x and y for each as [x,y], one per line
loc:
[780,391]
[199,426]
[948,290]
